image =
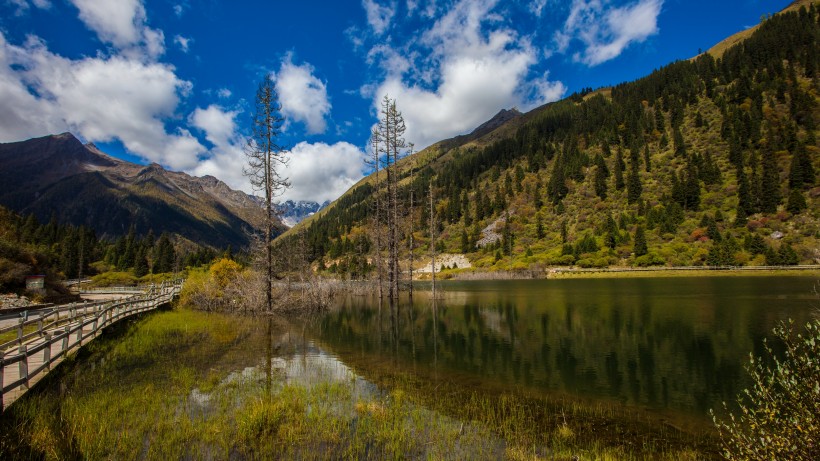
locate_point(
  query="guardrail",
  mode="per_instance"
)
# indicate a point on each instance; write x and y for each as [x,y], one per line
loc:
[109,290]
[61,330]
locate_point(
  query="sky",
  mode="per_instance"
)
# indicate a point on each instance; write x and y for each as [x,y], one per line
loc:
[174,81]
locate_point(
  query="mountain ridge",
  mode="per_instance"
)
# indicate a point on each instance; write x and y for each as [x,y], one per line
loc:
[79,184]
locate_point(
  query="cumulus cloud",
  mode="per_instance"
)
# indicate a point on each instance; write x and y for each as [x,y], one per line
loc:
[319,171]
[316,171]
[101,99]
[122,23]
[302,95]
[379,16]
[477,73]
[606,31]
[226,158]
[224,93]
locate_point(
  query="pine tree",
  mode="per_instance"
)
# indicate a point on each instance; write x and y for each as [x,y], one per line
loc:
[640,247]
[797,202]
[634,187]
[601,174]
[611,236]
[769,183]
[557,187]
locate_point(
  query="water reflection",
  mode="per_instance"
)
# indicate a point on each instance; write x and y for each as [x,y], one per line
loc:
[677,344]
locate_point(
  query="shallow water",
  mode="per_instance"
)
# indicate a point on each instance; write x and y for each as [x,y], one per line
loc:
[675,345]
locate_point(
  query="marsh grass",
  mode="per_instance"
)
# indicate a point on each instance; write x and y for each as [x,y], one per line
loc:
[183,384]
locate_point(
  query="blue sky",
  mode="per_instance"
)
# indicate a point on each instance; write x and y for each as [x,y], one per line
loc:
[173,81]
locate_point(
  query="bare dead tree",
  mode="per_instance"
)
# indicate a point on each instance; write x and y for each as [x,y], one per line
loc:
[377,209]
[411,221]
[391,143]
[432,242]
[265,159]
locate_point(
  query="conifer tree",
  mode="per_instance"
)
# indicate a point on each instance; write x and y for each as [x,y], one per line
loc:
[769,183]
[797,202]
[640,247]
[634,187]
[601,174]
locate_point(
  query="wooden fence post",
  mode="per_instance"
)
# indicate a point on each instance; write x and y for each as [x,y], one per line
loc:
[24,364]
[2,371]
[65,338]
[47,352]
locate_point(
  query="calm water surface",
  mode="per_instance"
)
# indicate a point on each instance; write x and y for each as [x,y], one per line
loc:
[670,344]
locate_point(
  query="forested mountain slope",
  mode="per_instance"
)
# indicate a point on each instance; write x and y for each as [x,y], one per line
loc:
[710,161]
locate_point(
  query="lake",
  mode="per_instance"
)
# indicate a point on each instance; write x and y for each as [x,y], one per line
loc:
[593,368]
[676,345]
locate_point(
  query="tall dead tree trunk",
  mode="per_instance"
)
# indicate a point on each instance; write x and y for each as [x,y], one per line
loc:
[377,212]
[391,129]
[264,157]
[432,242]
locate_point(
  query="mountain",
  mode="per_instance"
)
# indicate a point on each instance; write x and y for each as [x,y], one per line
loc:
[292,213]
[708,161]
[59,176]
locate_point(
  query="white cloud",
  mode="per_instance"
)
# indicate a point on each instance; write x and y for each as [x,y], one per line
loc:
[606,31]
[180,8]
[379,16]
[183,42]
[320,171]
[226,158]
[122,23]
[224,93]
[302,95]
[475,68]
[316,171]
[101,99]
[537,7]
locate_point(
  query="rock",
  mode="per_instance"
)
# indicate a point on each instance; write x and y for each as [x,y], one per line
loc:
[777,235]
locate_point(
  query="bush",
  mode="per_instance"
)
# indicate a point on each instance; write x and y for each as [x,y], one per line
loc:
[650,259]
[780,415]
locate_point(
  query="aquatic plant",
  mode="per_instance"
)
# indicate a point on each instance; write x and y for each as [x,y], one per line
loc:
[780,414]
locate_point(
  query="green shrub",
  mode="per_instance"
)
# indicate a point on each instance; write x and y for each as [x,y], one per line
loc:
[780,414]
[651,259]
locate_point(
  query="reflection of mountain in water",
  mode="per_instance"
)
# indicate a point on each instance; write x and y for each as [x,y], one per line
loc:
[678,344]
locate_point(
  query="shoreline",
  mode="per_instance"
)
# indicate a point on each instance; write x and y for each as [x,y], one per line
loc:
[630,272]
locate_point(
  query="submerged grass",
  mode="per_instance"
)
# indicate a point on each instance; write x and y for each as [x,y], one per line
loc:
[180,384]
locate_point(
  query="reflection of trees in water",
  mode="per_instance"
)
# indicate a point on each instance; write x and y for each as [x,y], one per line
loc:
[677,351]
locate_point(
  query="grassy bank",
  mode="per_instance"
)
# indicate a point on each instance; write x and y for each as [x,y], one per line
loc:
[563,273]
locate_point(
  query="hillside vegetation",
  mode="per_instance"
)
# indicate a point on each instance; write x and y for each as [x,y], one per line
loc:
[711,161]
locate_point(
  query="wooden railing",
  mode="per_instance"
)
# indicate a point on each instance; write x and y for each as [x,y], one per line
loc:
[55,332]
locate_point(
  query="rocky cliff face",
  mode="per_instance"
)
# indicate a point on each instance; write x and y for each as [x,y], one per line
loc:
[60,176]
[292,213]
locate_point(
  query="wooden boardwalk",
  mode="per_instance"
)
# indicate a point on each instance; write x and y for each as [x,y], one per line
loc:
[42,342]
